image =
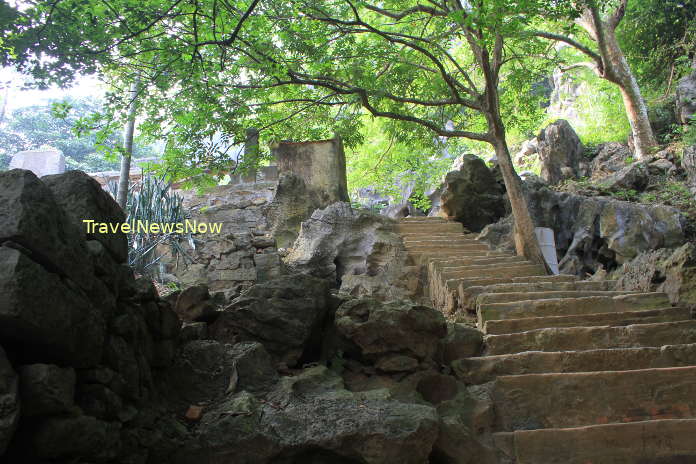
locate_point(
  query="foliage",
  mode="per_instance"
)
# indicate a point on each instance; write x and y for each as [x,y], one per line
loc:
[152,201]
[57,125]
[601,113]
[657,37]
[292,69]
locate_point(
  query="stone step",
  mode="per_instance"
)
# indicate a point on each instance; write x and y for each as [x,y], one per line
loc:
[582,338]
[493,270]
[568,306]
[665,441]
[430,228]
[469,294]
[446,245]
[438,236]
[449,243]
[445,256]
[506,326]
[427,219]
[464,284]
[479,370]
[543,401]
[488,298]
[463,263]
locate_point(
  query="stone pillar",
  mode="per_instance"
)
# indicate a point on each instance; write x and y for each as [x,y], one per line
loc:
[40,162]
[320,164]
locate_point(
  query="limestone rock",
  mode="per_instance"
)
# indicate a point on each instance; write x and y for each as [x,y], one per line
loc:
[631,177]
[254,367]
[664,270]
[560,152]
[202,372]
[9,401]
[82,437]
[689,164]
[471,194]
[294,203]
[31,217]
[286,315]
[464,422]
[686,98]
[611,158]
[46,389]
[54,321]
[595,232]
[195,305]
[375,329]
[83,199]
[313,425]
[461,342]
[357,250]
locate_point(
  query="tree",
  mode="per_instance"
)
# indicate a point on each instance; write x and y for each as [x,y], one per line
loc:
[124,175]
[609,62]
[440,69]
[421,66]
[31,127]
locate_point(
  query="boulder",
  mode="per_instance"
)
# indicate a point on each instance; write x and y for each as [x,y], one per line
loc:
[686,98]
[286,315]
[596,232]
[195,305]
[83,199]
[632,177]
[670,271]
[254,367]
[611,157]
[461,342]
[203,371]
[560,152]
[31,217]
[46,389]
[311,418]
[49,319]
[372,329]
[465,422]
[471,194]
[9,402]
[356,250]
[689,164]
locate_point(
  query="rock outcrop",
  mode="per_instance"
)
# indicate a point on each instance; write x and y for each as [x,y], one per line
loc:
[471,195]
[287,315]
[356,250]
[560,152]
[686,98]
[86,339]
[670,271]
[595,232]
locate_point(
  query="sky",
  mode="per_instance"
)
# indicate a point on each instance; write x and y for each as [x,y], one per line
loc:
[11,83]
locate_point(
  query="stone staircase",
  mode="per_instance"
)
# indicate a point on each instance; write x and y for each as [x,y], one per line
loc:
[577,373]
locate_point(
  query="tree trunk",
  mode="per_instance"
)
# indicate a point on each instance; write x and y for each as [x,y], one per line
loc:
[636,109]
[526,241]
[614,68]
[124,176]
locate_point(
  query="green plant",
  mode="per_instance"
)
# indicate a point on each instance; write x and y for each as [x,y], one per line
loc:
[625,194]
[629,160]
[151,200]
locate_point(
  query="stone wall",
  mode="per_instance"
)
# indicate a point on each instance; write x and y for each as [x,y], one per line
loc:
[242,253]
[82,341]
